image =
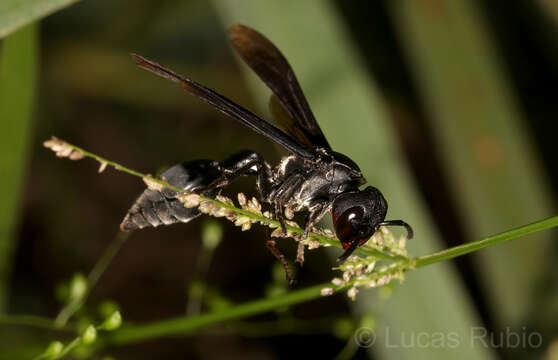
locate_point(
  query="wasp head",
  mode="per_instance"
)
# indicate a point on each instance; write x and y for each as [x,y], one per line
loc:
[357,215]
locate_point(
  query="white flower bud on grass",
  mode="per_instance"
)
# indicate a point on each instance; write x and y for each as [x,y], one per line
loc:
[206,207]
[313,244]
[327,291]
[337,282]
[278,232]
[241,199]
[240,220]
[63,149]
[254,205]
[224,199]
[76,155]
[327,232]
[102,167]
[151,184]
[189,200]
[352,293]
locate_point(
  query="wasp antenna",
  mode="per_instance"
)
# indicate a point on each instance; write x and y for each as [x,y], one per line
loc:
[410,232]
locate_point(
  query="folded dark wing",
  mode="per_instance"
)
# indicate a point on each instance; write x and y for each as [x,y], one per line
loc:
[226,106]
[274,70]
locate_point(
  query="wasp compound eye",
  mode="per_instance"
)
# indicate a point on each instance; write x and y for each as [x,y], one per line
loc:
[349,227]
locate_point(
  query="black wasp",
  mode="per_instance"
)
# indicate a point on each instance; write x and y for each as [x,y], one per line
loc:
[313,178]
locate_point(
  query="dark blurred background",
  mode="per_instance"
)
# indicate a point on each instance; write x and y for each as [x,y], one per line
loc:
[479,155]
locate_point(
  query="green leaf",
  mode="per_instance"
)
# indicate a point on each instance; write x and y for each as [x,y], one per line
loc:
[17,88]
[15,14]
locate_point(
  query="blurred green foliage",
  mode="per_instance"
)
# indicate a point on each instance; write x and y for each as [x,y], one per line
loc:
[17,13]
[484,144]
[18,71]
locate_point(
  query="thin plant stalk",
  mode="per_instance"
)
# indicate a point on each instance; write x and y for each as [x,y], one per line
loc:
[74,305]
[186,324]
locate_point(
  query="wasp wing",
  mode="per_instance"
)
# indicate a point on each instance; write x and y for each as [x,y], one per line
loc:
[226,106]
[286,122]
[274,70]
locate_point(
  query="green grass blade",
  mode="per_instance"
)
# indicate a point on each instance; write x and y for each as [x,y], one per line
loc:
[17,13]
[18,65]
[493,169]
[353,118]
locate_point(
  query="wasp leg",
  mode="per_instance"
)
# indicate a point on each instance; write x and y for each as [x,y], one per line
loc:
[245,163]
[278,212]
[316,213]
[279,256]
[281,195]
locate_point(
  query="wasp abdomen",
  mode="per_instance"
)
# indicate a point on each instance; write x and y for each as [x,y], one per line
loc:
[154,208]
